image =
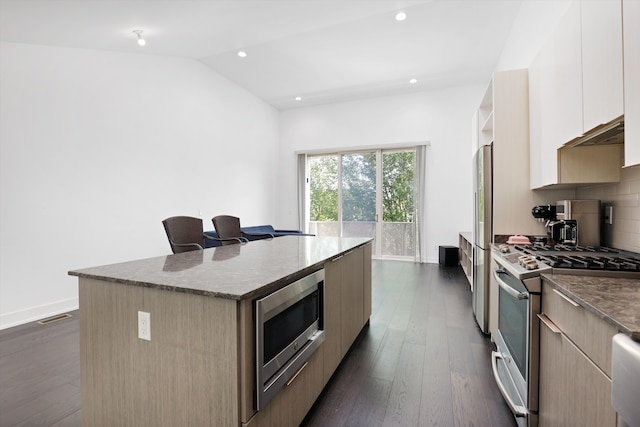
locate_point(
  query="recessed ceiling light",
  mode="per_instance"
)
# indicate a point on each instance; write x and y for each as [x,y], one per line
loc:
[242,54]
[138,33]
[401,16]
[298,98]
[413,81]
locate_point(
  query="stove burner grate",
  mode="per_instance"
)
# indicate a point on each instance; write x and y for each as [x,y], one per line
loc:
[591,262]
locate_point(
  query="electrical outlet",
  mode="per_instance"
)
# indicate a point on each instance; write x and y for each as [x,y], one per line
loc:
[144,325]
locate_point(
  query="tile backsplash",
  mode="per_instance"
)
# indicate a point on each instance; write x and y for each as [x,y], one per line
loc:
[624,196]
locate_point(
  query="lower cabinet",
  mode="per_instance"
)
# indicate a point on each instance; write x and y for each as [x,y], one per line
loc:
[575,383]
[331,346]
[347,303]
[573,390]
[352,297]
[292,403]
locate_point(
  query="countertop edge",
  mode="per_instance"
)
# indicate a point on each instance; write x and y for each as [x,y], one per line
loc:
[160,286]
[260,290]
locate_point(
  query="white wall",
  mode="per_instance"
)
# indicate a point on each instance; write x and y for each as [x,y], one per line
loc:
[96,148]
[535,21]
[441,117]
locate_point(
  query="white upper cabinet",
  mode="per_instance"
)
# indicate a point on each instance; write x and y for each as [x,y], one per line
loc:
[602,92]
[631,26]
[575,85]
[555,91]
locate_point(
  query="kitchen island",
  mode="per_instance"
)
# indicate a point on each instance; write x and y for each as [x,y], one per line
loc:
[198,368]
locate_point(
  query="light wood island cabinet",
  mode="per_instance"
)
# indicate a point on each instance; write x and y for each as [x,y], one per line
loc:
[198,369]
[346,311]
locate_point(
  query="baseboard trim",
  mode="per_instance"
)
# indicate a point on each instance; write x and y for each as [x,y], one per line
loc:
[32,314]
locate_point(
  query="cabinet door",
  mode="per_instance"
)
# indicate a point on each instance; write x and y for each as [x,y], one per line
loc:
[592,334]
[555,90]
[352,304]
[289,407]
[631,18]
[367,252]
[332,345]
[573,391]
[602,89]
[540,173]
[564,110]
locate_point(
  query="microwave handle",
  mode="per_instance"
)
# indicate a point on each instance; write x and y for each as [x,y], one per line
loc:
[513,292]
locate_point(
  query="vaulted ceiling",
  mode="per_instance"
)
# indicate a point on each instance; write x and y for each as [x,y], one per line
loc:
[319,50]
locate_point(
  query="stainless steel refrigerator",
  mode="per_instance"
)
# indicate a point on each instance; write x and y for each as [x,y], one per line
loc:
[482,234]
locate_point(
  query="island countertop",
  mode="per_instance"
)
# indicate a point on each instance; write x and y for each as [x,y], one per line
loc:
[233,271]
[615,300]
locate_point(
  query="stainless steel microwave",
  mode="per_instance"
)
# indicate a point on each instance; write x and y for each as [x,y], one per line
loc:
[288,330]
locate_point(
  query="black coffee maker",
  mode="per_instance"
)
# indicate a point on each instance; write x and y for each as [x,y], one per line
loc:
[564,232]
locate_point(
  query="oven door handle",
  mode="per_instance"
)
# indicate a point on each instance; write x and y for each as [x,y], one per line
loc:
[517,410]
[511,291]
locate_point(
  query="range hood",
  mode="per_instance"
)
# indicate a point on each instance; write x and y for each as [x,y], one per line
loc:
[606,134]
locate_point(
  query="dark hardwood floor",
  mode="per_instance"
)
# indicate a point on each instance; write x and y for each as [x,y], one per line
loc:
[40,374]
[422,361]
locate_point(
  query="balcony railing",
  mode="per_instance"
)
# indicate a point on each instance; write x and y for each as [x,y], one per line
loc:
[398,238]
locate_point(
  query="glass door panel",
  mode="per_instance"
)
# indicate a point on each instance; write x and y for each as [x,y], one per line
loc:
[398,206]
[358,195]
[323,194]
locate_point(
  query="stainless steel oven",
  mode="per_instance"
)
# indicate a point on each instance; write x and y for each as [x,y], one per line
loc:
[516,360]
[288,330]
[515,363]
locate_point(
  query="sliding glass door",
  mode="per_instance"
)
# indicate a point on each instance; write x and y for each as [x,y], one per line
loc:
[365,194]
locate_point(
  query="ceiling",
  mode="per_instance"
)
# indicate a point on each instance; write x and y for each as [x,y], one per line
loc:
[320,50]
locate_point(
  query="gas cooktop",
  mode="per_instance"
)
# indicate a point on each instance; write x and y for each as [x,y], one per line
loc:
[525,261]
[583,257]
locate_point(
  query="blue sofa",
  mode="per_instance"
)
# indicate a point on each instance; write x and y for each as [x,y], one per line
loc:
[256,232]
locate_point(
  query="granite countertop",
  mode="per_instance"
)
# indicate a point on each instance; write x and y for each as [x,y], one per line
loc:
[232,272]
[615,300]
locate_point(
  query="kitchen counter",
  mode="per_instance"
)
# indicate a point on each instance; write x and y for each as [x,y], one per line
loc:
[615,300]
[233,272]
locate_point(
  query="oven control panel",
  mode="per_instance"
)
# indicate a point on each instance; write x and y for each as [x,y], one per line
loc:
[517,263]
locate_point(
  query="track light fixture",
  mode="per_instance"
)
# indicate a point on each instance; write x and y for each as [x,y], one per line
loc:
[138,33]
